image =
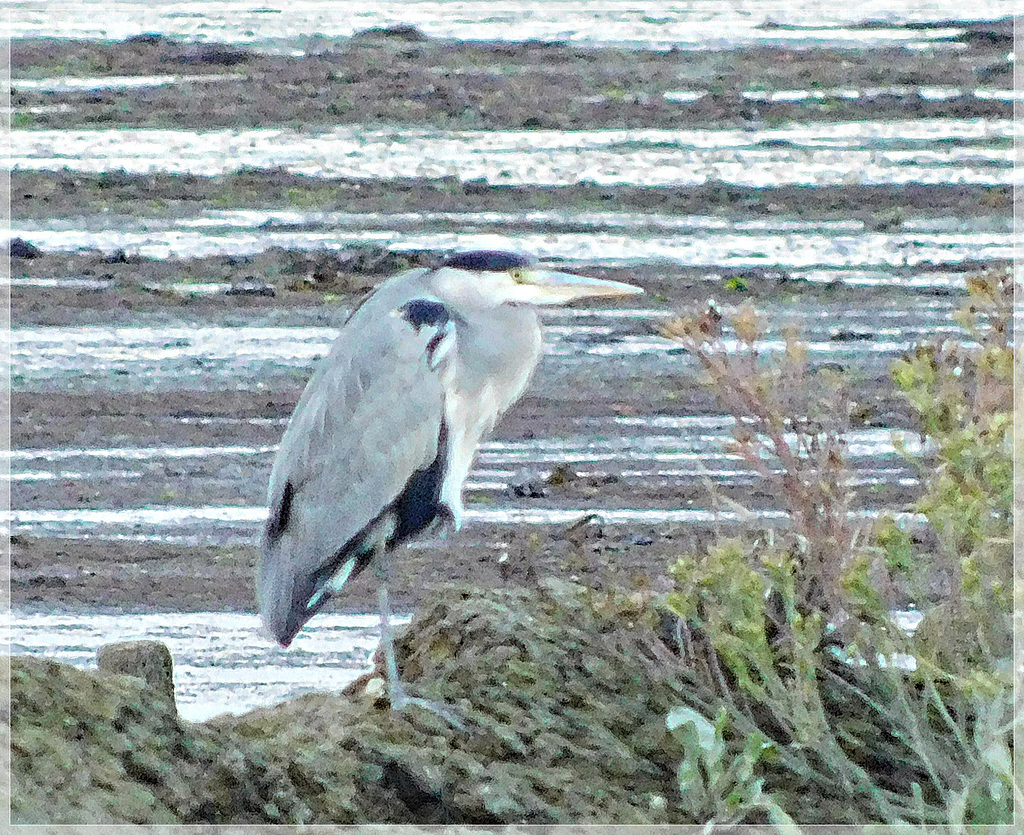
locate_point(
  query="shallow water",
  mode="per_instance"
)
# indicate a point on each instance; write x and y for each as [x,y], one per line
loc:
[201,357]
[221,662]
[75,283]
[65,84]
[584,347]
[315,24]
[866,152]
[929,93]
[637,450]
[612,239]
[688,443]
[231,525]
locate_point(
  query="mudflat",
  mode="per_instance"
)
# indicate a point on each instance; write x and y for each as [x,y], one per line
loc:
[410,80]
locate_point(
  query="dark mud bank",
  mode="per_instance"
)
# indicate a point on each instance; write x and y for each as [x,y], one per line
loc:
[462,85]
[45,194]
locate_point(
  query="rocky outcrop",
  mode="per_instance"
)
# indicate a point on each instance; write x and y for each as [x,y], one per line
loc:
[563,696]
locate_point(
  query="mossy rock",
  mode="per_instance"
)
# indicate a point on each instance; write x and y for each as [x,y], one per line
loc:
[563,692]
[565,711]
[97,747]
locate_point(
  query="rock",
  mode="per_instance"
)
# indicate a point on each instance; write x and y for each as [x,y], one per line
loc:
[214,54]
[47,581]
[250,286]
[849,335]
[566,709]
[20,248]
[589,526]
[888,221]
[996,33]
[149,660]
[562,474]
[477,186]
[352,270]
[120,754]
[118,256]
[370,259]
[525,484]
[400,32]
[147,39]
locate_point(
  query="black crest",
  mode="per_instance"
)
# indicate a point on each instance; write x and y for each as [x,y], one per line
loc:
[420,312]
[490,260]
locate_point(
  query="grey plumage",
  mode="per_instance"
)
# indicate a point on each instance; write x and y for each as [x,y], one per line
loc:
[386,430]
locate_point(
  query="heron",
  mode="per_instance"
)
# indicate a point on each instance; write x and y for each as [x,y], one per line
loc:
[383,437]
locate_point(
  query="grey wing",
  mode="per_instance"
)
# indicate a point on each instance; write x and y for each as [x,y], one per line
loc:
[370,418]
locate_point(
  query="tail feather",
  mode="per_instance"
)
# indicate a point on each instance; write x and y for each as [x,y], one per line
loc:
[288,599]
[333,584]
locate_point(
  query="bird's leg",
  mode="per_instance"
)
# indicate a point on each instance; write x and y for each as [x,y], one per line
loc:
[388,640]
[400,699]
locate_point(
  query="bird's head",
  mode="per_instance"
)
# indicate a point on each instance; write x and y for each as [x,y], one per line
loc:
[498,277]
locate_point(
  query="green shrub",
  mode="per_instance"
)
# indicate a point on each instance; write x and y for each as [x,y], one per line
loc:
[963,395]
[808,701]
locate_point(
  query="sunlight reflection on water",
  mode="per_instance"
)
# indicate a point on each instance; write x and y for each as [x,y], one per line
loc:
[868,152]
[313,25]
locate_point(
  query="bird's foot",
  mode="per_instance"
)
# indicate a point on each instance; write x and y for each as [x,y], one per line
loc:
[401,700]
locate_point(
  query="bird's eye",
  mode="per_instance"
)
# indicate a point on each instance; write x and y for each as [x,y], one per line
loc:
[518,275]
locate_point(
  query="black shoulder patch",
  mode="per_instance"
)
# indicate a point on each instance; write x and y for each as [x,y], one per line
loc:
[490,260]
[421,312]
[279,517]
[420,501]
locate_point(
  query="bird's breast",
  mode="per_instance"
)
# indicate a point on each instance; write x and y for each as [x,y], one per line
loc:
[491,368]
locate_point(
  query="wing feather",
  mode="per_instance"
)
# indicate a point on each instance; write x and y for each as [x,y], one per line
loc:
[369,418]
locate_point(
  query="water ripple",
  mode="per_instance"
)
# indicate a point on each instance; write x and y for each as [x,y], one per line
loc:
[866,152]
[313,25]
